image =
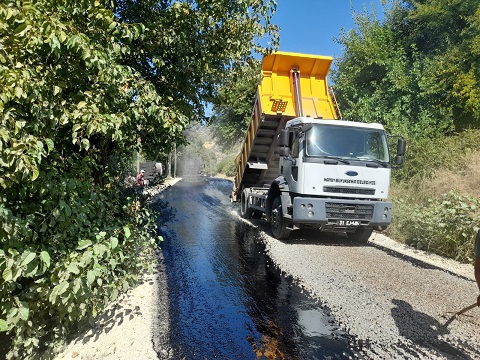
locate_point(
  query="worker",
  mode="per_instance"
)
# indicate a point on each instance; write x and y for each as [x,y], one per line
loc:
[477,264]
[140,181]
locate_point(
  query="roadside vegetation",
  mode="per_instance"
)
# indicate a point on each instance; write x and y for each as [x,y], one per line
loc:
[86,86]
[418,73]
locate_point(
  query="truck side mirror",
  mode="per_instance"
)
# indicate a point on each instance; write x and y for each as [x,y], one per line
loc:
[283,148]
[283,138]
[401,147]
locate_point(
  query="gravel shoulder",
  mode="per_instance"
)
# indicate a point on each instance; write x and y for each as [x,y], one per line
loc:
[394,301]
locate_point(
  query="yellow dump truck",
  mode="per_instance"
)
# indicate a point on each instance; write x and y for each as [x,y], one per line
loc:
[300,166]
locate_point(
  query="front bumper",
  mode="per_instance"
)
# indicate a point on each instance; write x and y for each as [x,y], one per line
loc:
[341,212]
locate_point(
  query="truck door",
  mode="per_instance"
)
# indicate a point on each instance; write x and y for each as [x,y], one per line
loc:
[290,164]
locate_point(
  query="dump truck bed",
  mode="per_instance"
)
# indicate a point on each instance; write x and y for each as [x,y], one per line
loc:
[277,102]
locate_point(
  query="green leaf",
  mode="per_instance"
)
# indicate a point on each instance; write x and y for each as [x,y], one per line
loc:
[90,277]
[68,210]
[23,311]
[50,144]
[73,269]
[60,288]
[83,244]
[7,274]
[76,285]
[3,325]
[127,231]
[81,104]
[35,173]
[113,242]
[18,92]
[45,258]
[21,29]
[114,294]
[85,144]
[29,256]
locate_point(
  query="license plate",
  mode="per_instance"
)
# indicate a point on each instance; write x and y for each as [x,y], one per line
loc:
[348,222]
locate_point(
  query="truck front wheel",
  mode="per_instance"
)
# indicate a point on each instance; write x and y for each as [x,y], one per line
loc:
[361,234]
[278,222]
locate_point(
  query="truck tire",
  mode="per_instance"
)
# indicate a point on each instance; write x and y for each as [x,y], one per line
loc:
[361,234]
[245,211]
[278,222]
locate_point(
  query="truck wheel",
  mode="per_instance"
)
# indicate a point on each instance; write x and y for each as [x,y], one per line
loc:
[278,222]
[245,211]
[361,234]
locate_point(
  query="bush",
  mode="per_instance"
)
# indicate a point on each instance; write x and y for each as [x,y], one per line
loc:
[426,156]
[227,166]
[446,225]
[68,248]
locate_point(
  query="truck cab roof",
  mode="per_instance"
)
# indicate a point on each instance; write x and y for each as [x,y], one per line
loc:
[310,120]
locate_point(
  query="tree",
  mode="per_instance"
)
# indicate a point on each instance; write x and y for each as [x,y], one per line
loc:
[191,46]
[416,71]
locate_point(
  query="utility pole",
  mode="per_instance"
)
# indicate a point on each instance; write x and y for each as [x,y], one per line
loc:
[175,161]
[169,165]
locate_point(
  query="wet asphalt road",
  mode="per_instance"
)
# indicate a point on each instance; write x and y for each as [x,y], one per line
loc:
[227,299]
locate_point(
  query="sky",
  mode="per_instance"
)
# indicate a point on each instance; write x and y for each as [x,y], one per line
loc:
[309,26]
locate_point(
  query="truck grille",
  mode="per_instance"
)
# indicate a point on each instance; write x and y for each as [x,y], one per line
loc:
[342,190]
[349,211]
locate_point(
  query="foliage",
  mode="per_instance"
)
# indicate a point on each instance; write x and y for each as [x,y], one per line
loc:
[227,166]
[94,238]
[68,241]
[192,46]
[417,72]
[84,86]
[427,156]
[446,226]
[442,223]
[65,92]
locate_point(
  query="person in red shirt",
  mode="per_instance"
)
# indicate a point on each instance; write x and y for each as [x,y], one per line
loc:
[139,181]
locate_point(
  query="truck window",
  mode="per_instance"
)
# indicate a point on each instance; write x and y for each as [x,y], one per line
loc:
[341,141]
[295,147]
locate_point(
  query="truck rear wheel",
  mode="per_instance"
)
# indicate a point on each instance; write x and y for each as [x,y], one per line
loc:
[245,211]
[361,234]
[278,222]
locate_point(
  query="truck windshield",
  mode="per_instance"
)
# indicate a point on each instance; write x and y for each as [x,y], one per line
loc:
[347,142]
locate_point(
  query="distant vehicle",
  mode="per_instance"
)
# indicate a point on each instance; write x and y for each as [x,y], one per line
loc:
[302,167]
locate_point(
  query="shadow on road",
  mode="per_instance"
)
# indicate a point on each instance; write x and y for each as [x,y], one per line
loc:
[423,330]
